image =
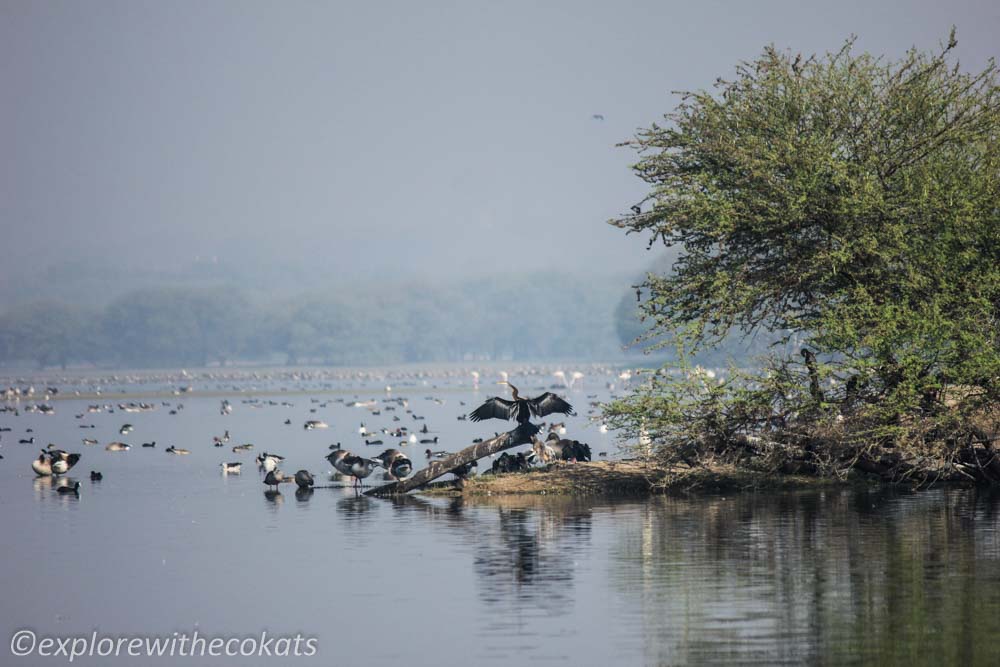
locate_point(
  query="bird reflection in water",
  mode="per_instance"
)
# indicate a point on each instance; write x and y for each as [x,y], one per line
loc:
[274,497]
[529,556]
[303,494]
[355,507]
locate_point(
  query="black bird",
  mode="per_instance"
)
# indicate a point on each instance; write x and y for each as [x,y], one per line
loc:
[464,471]
[96,476]
[520,408]
[75,489]
[568,450]
[303,479]
[510,463]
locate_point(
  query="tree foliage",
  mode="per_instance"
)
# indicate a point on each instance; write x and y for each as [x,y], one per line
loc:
[848,201]
[347,325]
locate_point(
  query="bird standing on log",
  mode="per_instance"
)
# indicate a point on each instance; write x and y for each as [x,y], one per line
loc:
[520,408]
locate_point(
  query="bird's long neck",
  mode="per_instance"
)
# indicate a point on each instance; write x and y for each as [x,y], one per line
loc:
[513,391]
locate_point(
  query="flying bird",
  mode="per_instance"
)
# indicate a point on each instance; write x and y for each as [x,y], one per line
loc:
[598,116]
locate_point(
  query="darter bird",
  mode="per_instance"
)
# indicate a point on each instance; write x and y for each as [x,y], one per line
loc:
[520,408]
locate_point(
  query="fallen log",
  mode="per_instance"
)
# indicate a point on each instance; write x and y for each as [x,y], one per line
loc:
[519,436]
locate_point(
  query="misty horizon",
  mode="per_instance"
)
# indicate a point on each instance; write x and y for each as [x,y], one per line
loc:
[369,143]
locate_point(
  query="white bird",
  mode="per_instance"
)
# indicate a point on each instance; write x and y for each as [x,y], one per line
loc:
[269,462]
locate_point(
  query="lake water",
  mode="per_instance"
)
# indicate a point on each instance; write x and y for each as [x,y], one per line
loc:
[167,544]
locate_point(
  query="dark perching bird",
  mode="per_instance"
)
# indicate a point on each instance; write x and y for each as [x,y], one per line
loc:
[510,463]
[467,470]
[568,450]
[520,408]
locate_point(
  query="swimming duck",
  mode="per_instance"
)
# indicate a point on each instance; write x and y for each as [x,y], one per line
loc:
[125,429]
[96,476]
[242,448]
[429,441]
[117,447]
[26,441]
[75,489]
[41,466]
[89,441]
[149,444]
[176,450]
[440,454]
[60,461]
[231,468]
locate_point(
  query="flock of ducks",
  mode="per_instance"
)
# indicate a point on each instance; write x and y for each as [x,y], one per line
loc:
[56,462]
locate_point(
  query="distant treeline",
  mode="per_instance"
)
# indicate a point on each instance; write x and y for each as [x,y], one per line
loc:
[533,317]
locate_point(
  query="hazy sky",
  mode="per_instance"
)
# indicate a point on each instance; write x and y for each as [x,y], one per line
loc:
[417,137]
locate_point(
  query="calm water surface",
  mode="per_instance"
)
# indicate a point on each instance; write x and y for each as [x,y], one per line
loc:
[167,544]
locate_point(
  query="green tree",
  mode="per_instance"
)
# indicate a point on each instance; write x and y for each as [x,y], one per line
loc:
[49,333]
[847,202]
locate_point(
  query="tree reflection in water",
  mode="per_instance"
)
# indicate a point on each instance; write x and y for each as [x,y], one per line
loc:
[837,576]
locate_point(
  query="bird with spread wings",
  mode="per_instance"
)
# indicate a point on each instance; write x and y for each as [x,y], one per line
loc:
[520,408]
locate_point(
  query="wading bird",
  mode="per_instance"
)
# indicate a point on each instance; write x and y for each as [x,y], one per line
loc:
[520,408]
[303,479]
[276,477]
[352,466]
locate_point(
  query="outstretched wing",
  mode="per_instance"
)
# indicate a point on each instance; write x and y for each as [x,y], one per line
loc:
[493,408]
[548,403]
